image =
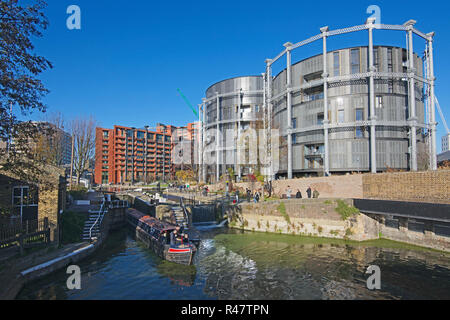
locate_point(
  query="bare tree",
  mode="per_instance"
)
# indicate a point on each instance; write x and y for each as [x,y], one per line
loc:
[51,142]
[83,131]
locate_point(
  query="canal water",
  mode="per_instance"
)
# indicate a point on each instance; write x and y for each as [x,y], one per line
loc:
[237,265]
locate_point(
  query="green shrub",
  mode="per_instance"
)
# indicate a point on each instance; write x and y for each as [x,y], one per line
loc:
[282,209]
[345,210]
[72,224]
[78,193]
[327,202]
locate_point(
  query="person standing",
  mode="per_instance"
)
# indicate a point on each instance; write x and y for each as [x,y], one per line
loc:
[315,193]
[308,191]
[298,195]
[288,192]
[249,194]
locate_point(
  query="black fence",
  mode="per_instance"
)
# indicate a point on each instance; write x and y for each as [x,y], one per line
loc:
[415,210]
[25,234]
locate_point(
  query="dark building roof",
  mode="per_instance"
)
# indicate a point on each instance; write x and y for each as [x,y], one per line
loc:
[443,156]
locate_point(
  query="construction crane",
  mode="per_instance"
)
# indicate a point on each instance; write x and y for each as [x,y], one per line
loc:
[441,115]
[187,102]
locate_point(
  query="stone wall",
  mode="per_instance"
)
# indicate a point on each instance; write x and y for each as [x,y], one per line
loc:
[319,218]
[307,217]
[426,186]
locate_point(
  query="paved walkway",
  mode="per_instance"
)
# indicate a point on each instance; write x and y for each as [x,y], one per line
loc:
[11,282]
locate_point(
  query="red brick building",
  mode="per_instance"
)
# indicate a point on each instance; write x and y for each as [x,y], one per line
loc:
[127,155]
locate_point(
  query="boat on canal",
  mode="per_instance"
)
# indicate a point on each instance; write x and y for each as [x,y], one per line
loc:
[156,235]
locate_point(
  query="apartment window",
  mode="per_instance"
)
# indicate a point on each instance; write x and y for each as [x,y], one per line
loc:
[354,61]
[294,123]
[294,138]
[256,108]
[359,116]
[379,102]
[376,62]
[105,134]
[320,118]
[390,86]
[140,135]
[336,71]
[105,177]
[341,116]
[389,59]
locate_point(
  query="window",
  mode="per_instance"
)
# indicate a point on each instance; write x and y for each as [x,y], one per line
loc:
[105,134]
[359,116]
[294,123]
[341,116]
[320,118]
[22,198]
[390,86]
[336,71]
[379,102]
[375,59]
[354,61]
[256,108]
[389,58]
[140,135]
[294,138]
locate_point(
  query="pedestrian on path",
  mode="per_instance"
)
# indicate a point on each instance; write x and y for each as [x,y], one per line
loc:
[315,194]
[288,192]
[308,191]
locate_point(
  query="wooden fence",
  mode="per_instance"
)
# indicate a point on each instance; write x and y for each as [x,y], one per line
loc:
[28,234]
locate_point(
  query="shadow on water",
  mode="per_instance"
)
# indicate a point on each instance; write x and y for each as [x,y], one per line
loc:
[244,265]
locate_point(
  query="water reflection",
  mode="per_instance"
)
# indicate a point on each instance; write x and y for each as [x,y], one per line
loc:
[234,265]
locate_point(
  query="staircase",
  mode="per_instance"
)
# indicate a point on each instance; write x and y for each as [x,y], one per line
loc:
[91,228]
[180,217]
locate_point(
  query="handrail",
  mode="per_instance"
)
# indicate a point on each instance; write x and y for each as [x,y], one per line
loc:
[102,207]
[185,214]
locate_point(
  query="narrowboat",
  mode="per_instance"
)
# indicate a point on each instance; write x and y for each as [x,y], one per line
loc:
[156,235]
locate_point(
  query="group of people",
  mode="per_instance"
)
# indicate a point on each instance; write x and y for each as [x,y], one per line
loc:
[314,193]
[256,195]
[205,191]
[177,237]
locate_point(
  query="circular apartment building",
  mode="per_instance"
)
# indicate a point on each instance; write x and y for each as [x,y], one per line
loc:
[359,109]
[231,107]
[348,112]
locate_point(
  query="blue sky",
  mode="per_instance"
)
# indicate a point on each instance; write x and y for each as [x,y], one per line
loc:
[125,64]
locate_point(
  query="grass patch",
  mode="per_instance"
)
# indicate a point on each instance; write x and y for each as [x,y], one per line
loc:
[78,193]
[328,202]
[72,224]
[282,209]
[345,210]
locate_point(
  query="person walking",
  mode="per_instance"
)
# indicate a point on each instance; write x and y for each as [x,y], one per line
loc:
[298,195]
[256,197]
[288,192]
[315,193]
[308,191]
[249,194]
